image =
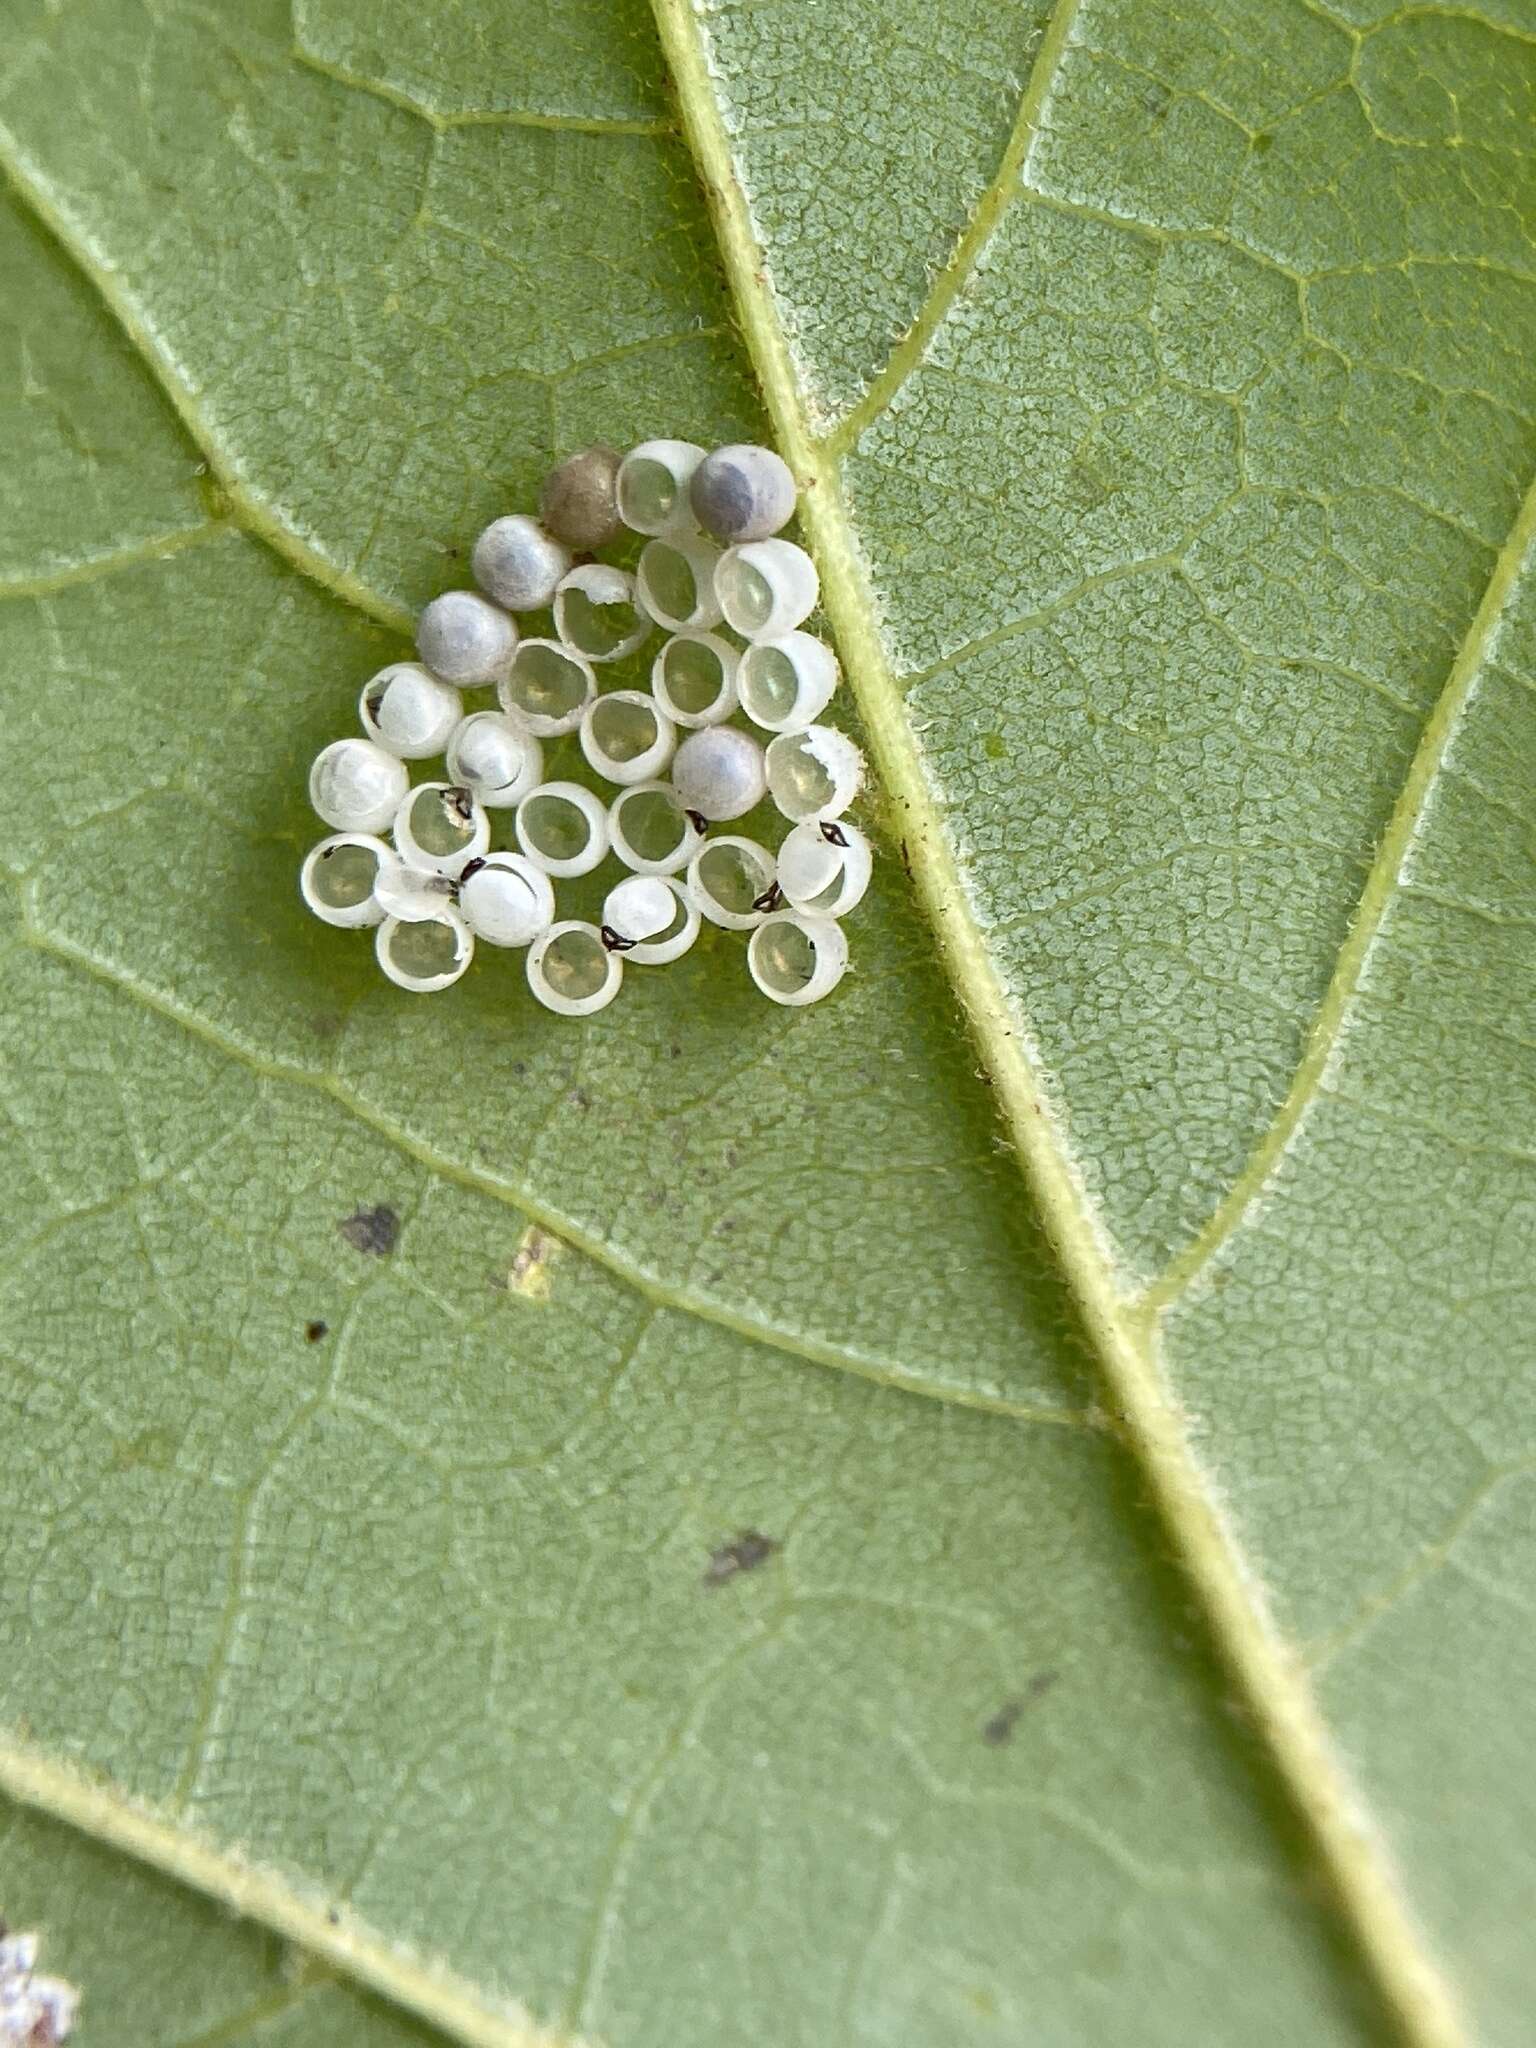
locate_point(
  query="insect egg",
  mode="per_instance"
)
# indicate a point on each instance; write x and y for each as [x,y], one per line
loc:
[572,972]
[562,828]
[427,954]
[496,758]
[626,737]
[464,638]
[579,500]
[676,582]
[355,786]
[766,588]
[411,894]
[596,613]
[440,827]
[653,486]
[637,908]
[693,678]
[519,564]
[824,869]
[786,684]
[742,493]
[672,939]
[506,900]
[651,832]
[547,687]
[339,879]
[719,773]
[409,711]
[814,774]
[795,959]
[731,880]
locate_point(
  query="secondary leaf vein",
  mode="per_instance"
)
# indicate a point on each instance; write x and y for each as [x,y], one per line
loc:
[649,1285]
[1330,1026]
[49,208]
[986,214]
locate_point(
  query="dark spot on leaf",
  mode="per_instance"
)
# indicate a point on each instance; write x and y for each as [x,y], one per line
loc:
[674,1052]
[994,746]
[325,1023]
[1261,142]
[314,1331]
[374,1231]
[579,1099]
[744,1553]
[998,1729]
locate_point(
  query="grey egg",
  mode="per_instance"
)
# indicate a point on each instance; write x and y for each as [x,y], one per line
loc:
[742,493]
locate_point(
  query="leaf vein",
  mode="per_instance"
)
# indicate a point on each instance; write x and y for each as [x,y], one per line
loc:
[978,231]
[160,548]
[1330,1025]
[649,1285]
[1264,1666]
[246,508]
[471,117]
[256,1892]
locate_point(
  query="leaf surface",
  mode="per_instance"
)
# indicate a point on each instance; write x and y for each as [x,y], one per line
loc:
[1161,387]
[156,1964]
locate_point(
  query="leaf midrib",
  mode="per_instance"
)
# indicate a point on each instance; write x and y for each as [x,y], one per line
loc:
[1122,1330]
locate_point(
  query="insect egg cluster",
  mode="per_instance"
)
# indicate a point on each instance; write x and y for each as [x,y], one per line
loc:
[550,774]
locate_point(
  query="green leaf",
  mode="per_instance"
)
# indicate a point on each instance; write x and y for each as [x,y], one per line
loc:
[164,1968]
[1137,1424]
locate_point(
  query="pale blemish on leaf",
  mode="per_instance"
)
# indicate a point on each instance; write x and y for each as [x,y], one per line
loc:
[529,1273]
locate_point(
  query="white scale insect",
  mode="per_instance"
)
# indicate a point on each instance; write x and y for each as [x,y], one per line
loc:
[733,719]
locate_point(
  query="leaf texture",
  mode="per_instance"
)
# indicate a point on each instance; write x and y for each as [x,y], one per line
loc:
[1163,381]
[156,1965]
